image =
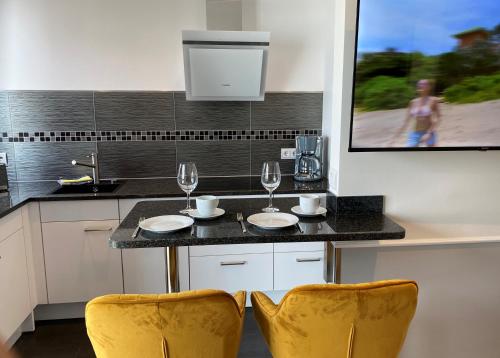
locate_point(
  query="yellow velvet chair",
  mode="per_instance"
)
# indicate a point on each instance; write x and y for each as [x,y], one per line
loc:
[191,324]
[338,321]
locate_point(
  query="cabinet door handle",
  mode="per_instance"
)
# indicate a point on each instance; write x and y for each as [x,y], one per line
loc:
[309,259]
[232,263]
[97,229]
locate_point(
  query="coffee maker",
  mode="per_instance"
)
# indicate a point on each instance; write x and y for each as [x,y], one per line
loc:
[308,158]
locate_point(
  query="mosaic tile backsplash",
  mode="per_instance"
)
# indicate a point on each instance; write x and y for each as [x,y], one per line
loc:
[146,134]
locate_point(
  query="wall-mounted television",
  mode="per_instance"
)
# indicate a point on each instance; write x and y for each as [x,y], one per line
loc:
[427,75]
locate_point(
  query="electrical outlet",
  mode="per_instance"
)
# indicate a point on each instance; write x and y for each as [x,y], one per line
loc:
[3,158]
[287,153]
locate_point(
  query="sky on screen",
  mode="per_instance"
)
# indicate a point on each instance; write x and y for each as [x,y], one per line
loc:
[426,26]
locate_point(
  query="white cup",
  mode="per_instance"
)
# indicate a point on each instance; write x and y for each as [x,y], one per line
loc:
[206,204]
[309,203]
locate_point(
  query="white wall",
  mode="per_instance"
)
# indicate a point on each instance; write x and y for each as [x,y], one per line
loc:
[298,40]
[3,44]
[136,45]
[95,44]
[224,15]
[457,314]
[433,195]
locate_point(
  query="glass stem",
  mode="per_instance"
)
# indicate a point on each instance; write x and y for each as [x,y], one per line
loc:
[270,198]
[188,204]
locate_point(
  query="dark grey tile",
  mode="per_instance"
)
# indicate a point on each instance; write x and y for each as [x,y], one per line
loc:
[217,158]
[264,150]
[51,110]
[50,161]
[13,193]
[288,111]
[207,115]
[36,188]
[134,110]
[4,112]
[11,158]
[137,159]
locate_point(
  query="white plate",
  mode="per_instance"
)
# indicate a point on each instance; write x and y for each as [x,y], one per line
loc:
[298,210]
[196,214]
[273,221]
[166,223]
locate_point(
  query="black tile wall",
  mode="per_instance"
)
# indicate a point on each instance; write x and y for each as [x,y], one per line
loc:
[216,158]
[13,194]
[146,134]
[271,150]
[288,110]
[134,111]
[51,110]
[4,113]
[11,159]
[356,204]
[210,115]
[137,159]
[49,161]
[28,189]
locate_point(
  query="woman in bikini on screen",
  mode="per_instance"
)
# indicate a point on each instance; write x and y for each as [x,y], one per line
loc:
[425,111]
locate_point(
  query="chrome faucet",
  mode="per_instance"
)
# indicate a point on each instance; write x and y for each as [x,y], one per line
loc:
[94,165]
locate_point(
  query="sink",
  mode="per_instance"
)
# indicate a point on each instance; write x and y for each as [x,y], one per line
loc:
[87,188]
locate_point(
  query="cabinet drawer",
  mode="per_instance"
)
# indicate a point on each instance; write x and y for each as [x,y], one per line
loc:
[10,224]
[297,268]
[232,272]
[299,246]
[78,261]
[79,210]
[211,250]
[14,289]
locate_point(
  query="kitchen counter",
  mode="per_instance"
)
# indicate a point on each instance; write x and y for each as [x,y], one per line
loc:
[23,192]
[226,230]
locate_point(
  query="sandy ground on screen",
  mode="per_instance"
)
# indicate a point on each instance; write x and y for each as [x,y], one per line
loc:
[476,124]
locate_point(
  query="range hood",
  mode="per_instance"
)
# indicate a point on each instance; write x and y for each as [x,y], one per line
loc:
[225,65]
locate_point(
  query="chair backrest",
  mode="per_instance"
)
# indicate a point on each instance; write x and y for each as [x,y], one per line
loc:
[205,323]
[348,321]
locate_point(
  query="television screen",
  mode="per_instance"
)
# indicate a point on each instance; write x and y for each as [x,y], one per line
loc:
[427,75]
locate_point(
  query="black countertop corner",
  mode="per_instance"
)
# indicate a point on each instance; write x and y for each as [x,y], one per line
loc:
[226,230]
[23,192]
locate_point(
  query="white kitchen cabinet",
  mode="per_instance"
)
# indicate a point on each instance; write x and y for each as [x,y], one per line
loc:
[299,246]
[78,210]
[238,249]
[297,268]
[10,223]
[231,273]
[15,303]
[144,269]
[80,265]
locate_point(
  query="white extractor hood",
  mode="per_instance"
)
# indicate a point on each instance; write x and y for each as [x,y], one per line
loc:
[225,65]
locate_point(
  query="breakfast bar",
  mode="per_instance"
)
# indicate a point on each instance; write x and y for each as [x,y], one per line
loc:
[332,227]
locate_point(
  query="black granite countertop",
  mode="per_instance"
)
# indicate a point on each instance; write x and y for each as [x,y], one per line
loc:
[23,192]
[226,230]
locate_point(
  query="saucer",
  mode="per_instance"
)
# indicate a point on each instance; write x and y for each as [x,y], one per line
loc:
[218,212]
[298,210]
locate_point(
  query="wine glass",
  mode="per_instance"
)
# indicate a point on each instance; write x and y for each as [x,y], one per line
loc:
[270,179]
[187,178]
